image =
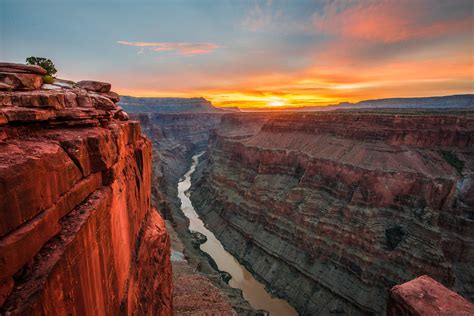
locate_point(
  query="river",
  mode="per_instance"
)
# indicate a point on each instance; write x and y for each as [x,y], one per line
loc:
[253,291]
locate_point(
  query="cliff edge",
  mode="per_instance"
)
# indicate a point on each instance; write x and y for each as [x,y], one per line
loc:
[78,234]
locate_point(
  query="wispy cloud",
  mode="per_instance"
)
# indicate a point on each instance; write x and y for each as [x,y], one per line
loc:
[260,16]
[274,16]
[180,48]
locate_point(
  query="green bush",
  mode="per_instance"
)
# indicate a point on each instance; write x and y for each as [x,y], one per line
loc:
[453,160]
[48,79]
[46,63]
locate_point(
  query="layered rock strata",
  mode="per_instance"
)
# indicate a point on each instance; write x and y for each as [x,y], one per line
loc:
[78,235]
[332,210]
[176,138]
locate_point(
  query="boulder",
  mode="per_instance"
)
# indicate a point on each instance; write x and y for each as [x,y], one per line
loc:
[112,96]
[121,115]
[103,103]
[22,68]
[21,81]
[95,86]
[425,296]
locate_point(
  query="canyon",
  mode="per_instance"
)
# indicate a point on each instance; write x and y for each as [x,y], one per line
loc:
[331,210]
[176,137]
[342,212]
[328,210]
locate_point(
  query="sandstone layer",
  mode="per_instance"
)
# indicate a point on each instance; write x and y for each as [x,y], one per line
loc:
[78,235]
[331,210]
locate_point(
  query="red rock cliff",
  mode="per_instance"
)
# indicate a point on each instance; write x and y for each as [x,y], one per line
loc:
[78,235]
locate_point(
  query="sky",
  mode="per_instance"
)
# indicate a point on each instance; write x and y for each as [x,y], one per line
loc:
[251,53]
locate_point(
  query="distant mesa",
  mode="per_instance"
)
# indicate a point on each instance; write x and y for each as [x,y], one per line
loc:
[450,102]
[166,105]
[230,109]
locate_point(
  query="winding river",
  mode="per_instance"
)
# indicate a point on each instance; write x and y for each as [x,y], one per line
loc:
[253,291]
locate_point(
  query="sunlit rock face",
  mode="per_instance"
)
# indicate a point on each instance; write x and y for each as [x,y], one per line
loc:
[332,210]
[424,296]
[78,234]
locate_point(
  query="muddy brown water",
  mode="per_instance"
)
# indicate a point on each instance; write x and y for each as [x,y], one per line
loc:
[253,291]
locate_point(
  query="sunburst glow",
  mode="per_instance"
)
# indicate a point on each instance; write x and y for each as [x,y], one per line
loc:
[276,102]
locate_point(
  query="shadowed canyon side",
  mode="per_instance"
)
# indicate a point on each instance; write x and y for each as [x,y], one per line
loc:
[198,287]
[78,235]
[332,210]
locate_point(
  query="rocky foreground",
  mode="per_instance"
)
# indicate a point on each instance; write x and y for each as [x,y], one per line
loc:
[78,235]
[332,210]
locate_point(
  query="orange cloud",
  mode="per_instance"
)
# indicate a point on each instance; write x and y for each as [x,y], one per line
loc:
[313,86]
[182,48]
[385,21]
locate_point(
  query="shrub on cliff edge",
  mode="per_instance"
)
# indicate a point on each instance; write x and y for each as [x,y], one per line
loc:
[48,79]
[46,63]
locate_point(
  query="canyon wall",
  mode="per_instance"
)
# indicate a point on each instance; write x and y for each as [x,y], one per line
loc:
[176,138]
[331,210]
[78,235]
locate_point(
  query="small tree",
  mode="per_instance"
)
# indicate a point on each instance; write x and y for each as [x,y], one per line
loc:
[46,63]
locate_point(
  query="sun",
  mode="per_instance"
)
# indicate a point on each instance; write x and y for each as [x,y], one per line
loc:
[276,102]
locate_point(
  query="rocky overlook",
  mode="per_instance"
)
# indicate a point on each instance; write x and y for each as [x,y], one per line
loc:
[78,234]
[333,209]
